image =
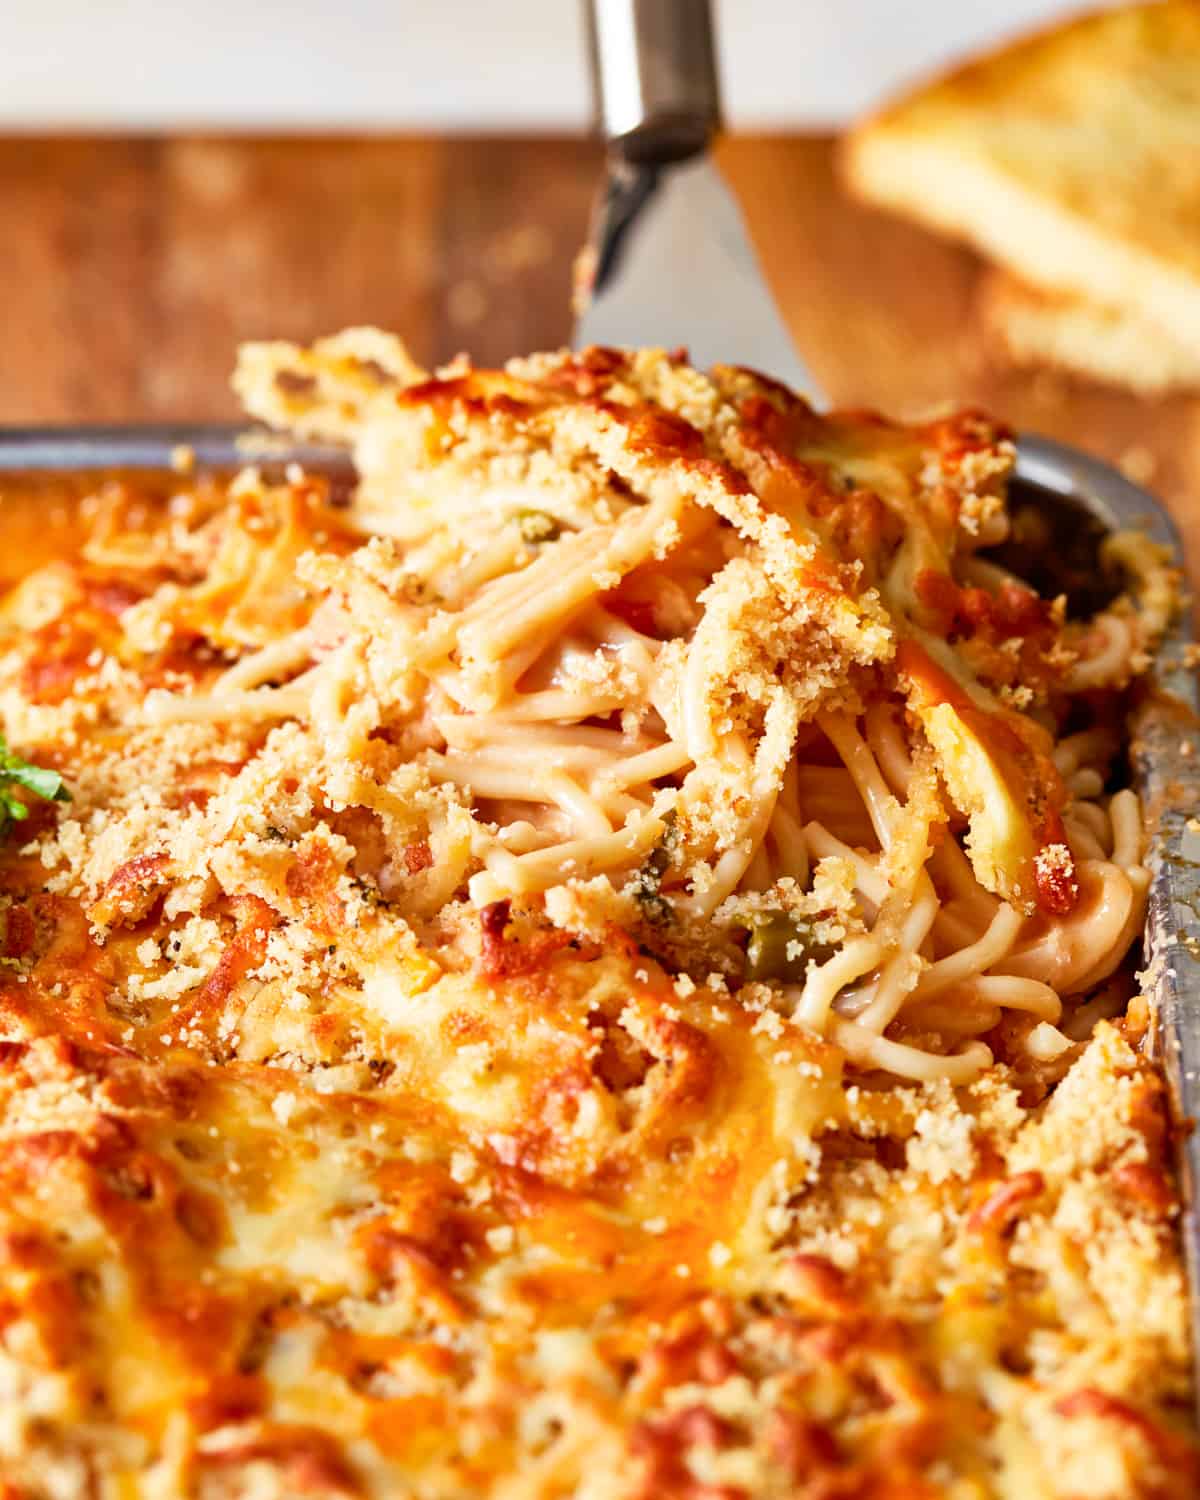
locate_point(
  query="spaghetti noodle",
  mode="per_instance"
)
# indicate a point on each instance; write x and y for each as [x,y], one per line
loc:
[770,641]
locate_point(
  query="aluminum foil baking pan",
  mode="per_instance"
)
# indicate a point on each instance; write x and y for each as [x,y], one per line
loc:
[1082,499]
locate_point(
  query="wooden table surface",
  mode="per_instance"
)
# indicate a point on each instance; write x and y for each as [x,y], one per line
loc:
[129,270]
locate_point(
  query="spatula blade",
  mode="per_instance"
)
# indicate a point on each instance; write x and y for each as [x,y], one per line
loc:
[674,267]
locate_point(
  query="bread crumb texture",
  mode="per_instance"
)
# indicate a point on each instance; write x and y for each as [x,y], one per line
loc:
[320,1178]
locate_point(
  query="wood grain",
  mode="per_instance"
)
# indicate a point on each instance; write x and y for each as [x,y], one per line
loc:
[131,269]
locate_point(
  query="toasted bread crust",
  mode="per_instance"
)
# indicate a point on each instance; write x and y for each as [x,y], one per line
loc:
[1034,327]
[1071,157]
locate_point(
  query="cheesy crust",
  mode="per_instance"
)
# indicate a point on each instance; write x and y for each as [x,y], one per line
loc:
[372,1122]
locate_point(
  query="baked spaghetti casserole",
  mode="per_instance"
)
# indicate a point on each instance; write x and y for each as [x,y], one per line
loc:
[603,966]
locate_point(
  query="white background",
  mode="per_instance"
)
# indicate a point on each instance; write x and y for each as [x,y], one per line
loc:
[446,64]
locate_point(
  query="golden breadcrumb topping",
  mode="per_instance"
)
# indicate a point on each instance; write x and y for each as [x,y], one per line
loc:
[599,967]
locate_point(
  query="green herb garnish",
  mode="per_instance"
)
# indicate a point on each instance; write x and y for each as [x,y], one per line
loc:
[15,772]
[781,947]
[646,885]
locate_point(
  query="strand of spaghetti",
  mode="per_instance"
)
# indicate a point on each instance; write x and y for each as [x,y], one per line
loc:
[1012,993]
[770,757]
[981,573]
[502,554]
[1094,747]
[574,656]
[996,941]
[791,847]
[955,927]
[1095,819]
[1154,587]
[1081,840]
[550,704]
[484,777]
[471,731]
[647,765]
[734,861]
[555,586]
[699,734]
[1106,963]
[905,839]
[452,859]
[902,971]
[789,796]
[911,1062]
[336,705]
[503,868]
[577,859]
[587,814]
[636,654]
[483,692]
[952,871]
[517,760]
[610,629]
[868,878]
[887,742]
[1110,646]
[565,552]
[877,796]
[824,981]
[1046,1043]
[956,1014]
[510,593]
[458,688]
[758,876]
[634,657]
[621,806]
[1086,782]
[278,659]
[1125,817]
[1068,948]
[830,792]
[1103,1006]
[254,705]
[520,837]
[734,750]
[821,785]
[495,679]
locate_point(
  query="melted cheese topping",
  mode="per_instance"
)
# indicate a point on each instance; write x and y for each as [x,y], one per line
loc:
[588,973]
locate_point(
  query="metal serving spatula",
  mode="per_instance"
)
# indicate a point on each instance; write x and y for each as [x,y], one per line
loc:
[671,262]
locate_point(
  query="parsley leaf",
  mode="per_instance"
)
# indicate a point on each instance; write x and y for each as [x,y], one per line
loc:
[15,772]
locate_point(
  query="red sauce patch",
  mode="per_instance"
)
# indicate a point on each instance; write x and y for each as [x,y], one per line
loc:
[309,1460]
[247,950]
[19,932]
[505,955]
[418,857]
[1055,877]
[1001,1208]
[130,891]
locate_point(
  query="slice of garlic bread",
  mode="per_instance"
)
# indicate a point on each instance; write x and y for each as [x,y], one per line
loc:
[1071,157]
[1117,347]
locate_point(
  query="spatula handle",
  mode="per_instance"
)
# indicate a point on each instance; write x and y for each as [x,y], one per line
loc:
[654,77]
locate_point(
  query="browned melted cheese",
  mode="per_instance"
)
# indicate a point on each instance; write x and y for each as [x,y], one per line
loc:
[301,1197]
